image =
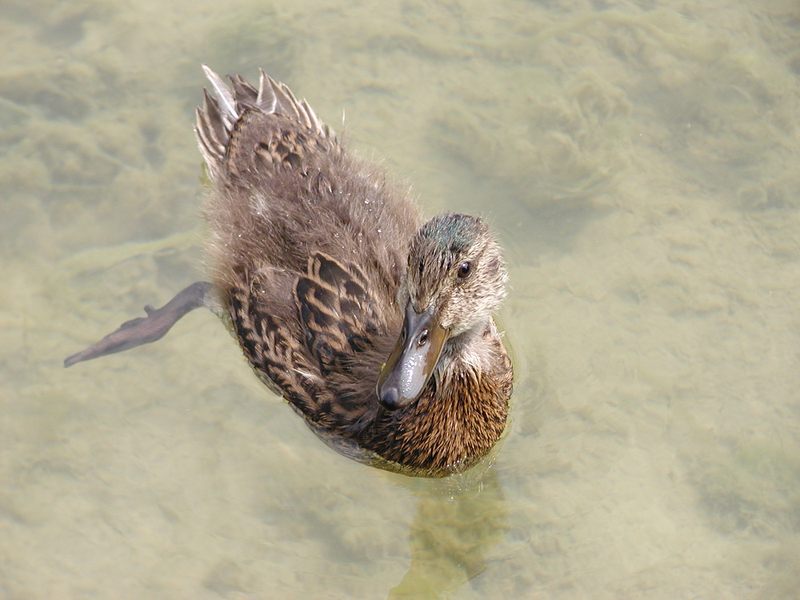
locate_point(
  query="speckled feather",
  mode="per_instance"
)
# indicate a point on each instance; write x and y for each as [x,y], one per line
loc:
[310,249]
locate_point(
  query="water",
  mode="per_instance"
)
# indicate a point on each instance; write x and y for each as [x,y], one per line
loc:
[640,165]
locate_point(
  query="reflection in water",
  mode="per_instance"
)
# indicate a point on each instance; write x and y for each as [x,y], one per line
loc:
[450,536]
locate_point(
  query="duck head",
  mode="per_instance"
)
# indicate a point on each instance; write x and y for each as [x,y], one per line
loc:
[456,279]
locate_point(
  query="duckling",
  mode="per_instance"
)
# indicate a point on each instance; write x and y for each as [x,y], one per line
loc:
[376,327]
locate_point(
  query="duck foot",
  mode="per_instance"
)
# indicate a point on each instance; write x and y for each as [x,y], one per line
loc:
[144,330]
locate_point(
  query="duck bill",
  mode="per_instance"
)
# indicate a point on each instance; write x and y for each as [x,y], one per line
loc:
[411,363]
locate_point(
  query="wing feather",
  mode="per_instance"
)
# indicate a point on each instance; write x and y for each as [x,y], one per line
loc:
[336,312]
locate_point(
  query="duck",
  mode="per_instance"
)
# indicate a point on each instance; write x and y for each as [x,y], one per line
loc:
[375,325]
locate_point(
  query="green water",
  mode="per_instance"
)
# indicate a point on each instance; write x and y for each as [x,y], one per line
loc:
[639,163]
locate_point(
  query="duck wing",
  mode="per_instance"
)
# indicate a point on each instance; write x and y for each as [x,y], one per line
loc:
[324,359]
[337,314]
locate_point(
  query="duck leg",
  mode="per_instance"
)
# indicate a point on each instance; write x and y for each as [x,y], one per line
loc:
[144,330]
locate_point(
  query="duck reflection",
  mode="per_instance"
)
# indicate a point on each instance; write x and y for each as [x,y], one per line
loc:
[453,530]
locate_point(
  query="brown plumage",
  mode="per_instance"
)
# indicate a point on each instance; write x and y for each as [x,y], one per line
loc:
[315,256]
[377,328]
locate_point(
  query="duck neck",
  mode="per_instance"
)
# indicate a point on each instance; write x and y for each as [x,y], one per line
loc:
[467,350]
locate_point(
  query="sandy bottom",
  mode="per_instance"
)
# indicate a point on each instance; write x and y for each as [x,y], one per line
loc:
[641,169]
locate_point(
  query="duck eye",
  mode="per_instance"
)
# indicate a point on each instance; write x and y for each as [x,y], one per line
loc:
[463,269]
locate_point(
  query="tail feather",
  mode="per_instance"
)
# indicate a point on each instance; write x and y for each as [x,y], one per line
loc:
[222,108]
[212,134]
[224,97]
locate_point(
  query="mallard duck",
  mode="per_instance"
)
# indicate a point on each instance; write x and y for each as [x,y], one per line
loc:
[376,327]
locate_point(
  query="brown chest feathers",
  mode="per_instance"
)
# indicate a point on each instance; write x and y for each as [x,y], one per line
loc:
[451,427]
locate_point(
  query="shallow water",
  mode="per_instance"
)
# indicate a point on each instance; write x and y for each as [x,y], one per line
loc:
[640,165]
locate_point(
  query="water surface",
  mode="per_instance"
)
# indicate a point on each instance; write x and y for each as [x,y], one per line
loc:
[640,164]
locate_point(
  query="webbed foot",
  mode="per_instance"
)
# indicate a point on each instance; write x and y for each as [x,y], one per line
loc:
[144,330]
